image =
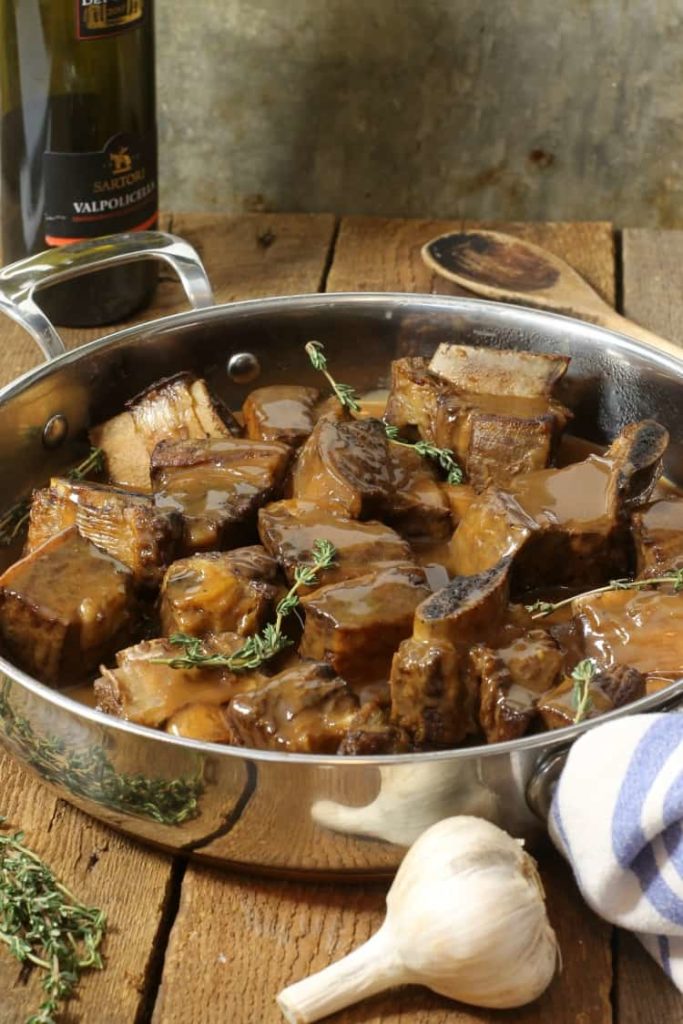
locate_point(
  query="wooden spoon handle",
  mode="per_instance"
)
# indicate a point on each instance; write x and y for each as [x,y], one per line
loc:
[616,322]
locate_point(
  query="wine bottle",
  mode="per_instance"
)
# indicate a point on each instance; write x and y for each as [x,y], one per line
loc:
[78,142]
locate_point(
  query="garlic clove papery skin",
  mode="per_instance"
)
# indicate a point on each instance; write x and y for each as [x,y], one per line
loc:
[372,968]
[465,916]
[473,896]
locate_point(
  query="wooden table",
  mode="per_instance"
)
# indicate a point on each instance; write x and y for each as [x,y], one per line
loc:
[189,944]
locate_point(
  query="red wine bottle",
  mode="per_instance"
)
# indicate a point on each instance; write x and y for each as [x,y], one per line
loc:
[78,142]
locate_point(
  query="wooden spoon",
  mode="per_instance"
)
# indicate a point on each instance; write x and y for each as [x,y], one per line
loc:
[499,266]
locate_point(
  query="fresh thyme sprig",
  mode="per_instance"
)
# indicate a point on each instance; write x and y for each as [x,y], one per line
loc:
[262,646]
[42,923]
[13,521]
[92,463]
[583,676]
[539,609]
[349,399]
[348,396]
[443,456]
[15,518]
[89,773]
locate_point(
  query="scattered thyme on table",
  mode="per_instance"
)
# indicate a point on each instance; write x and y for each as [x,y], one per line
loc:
[44,924]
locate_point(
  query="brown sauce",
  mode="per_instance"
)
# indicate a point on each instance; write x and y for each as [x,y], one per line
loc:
[576,493]
[84,693]
[637,628]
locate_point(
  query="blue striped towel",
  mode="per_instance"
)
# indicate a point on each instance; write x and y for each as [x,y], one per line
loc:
[617,816]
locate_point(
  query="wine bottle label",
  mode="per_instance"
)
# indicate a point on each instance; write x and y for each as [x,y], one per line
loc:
[91,194]
[96,18]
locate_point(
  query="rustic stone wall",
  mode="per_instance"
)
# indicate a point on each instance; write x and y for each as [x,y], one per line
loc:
[524,109]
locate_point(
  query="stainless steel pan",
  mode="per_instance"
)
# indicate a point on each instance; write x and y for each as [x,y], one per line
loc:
[271,812]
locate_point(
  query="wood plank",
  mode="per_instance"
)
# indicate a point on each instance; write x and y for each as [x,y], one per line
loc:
[261,935]
[653,296]
[255,255]
[103,869]
[245,257]
[373,254]
[653,280]
[644,995]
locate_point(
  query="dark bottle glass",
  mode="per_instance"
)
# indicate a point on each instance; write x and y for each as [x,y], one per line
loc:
[78,142]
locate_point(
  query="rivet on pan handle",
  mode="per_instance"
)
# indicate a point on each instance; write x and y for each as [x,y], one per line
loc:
[541,785]
[19,281]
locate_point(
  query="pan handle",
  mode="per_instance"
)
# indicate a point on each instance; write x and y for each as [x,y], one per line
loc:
[541,784]
[19,281]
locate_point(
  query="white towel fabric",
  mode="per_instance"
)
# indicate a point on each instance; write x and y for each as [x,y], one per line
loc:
[617,815]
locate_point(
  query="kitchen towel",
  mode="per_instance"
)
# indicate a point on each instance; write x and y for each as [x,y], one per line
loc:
[617,815]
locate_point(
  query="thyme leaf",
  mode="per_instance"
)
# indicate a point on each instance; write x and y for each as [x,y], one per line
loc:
[42,923]
[347,396]
[89,773]
[262,646]
[583,676]
[92,463]
[15,518]
[443,456]
[539,609]
[13,521]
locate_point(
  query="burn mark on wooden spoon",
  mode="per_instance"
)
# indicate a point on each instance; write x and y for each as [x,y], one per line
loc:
[496,262]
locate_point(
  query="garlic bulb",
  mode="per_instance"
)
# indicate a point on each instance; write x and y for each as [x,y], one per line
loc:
[465,916]
[410,799]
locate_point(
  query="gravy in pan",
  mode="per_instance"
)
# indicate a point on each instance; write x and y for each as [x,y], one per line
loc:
[83,693]
[383,660]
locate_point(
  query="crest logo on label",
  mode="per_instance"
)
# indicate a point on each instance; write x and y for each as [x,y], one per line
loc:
[121,160]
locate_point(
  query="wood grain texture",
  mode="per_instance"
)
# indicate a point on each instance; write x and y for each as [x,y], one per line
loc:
[373,254]
[254,255]
[653,280]
[259,936]
[246,257]
[129,882]
[643,994]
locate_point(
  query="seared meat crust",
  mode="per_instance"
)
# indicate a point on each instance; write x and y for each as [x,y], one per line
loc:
[304,709]
[64,607]
[284,412]
[124,523]
[358,624]
[289,529]
[432,695]
[218,592]
[217,486]
[495,435]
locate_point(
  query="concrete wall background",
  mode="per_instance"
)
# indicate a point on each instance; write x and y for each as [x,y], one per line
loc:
[525,109]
